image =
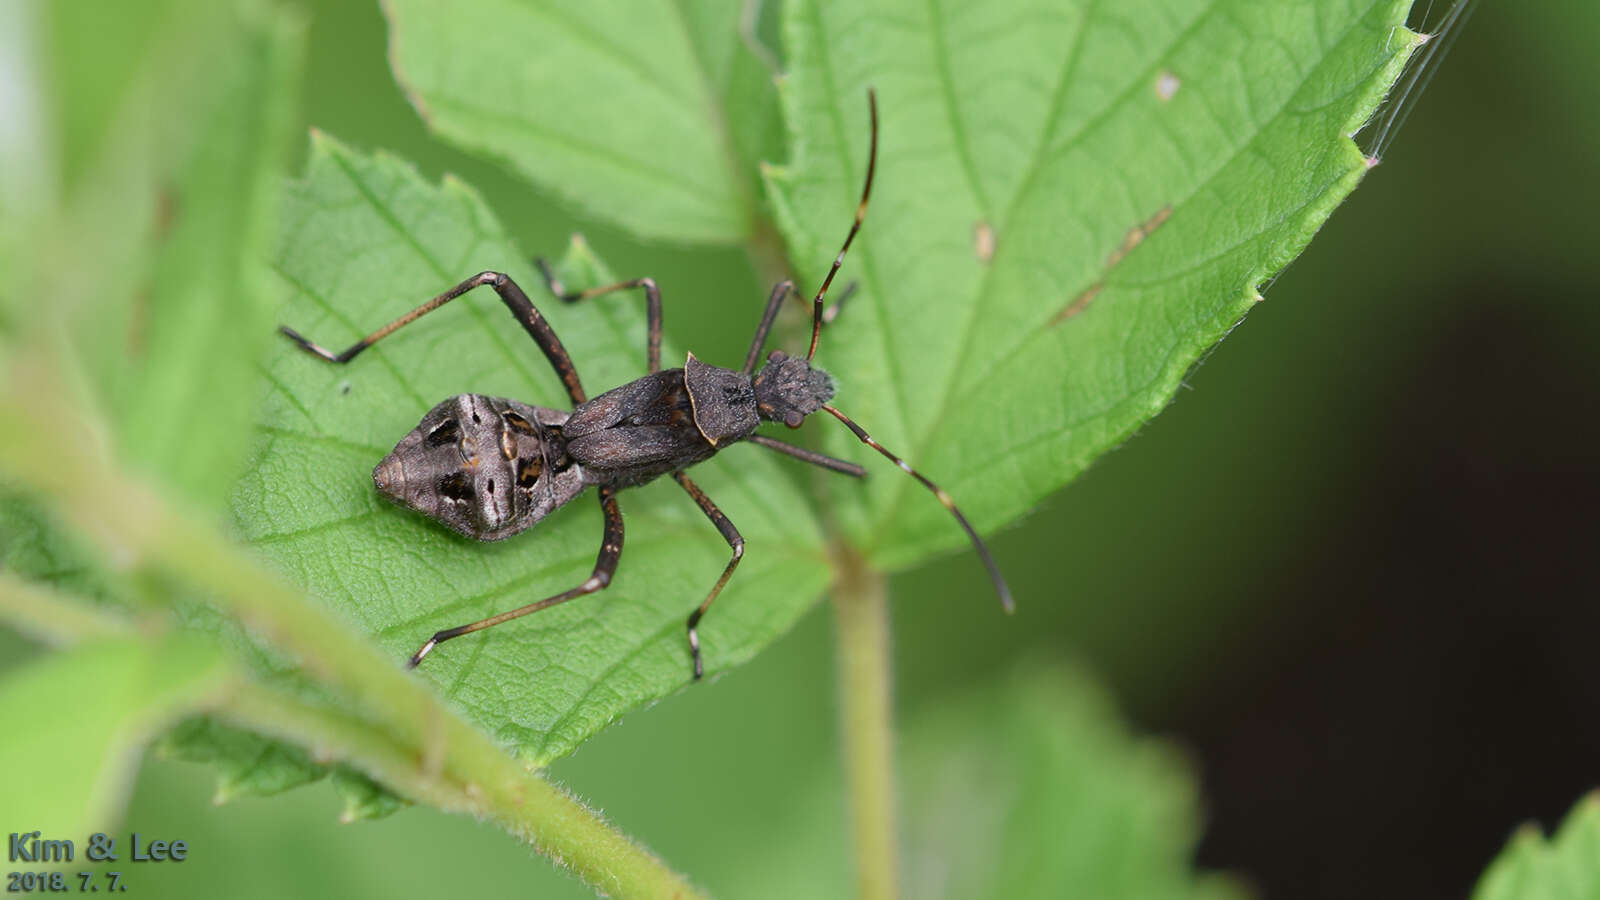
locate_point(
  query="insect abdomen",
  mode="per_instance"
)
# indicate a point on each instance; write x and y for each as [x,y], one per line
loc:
[484,467]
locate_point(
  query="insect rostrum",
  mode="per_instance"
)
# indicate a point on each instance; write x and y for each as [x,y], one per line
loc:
[488,467]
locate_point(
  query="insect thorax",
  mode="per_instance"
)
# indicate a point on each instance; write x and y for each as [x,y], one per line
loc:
[485,467]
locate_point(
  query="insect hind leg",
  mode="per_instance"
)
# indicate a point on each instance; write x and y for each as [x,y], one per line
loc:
[652,301]
[526,314]
[605,566]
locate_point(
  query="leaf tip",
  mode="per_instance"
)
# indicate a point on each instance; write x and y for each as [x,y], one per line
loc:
[401,80]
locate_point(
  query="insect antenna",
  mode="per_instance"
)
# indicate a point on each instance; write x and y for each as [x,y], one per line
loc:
[861,213]
[977,542]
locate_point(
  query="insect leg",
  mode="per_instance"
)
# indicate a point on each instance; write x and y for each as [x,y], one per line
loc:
[516,301]
[810,456]
[734,539]
[779,291]
[837,306]
[652,300]
[604,567]
[774,302]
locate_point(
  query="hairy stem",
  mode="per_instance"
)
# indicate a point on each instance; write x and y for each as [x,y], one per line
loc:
[537,812]
[866,724]
[406,738]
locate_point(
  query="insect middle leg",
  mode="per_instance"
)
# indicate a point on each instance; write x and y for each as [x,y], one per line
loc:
[803,454]
[652,300]
[515,300]
[734,539]
[605,565]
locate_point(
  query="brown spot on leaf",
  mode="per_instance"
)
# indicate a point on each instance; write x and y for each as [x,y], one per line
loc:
[1137,234]
[1132,239]
[983,241]
[1078,304]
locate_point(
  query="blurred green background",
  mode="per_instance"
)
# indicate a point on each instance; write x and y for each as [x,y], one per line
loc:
[1348,570]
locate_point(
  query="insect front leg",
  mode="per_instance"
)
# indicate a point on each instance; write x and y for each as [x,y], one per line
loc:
[780,292]
[515,300]
[652,302]
[734,539]
[605,566]
[775,301]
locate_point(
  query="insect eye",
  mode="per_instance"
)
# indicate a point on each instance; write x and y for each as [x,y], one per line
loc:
[777,356]
[793,419]
[528,472]
[445,435]
[455,486]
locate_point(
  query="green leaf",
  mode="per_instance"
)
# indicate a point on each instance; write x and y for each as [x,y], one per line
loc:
[247,764]
[173,126]
[81,718]
[185,412]
[366,239]
[1035,788]
[649,115]
[1565,867]
[1030,786]
[175,122]
[1073,202]
[364,798]
[34,545]
[1137,189]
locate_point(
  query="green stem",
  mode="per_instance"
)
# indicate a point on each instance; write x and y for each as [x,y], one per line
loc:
[866,714]
[54,618]
[412,741]
[525,805]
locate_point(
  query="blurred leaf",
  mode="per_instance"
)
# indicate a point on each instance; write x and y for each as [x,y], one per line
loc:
[174,127]
[208,315]
[1035,788]
[247,764]
[87,715]
[1073,202]
[173,121]
[365,798]
[1030,786]
[35,545]
[366,239]
[1565,867]
[650,115]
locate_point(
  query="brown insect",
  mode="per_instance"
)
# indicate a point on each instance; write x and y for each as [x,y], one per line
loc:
[488,467]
